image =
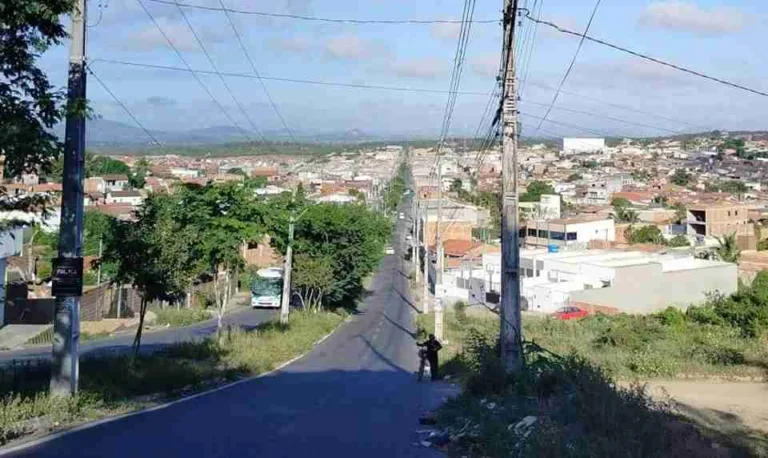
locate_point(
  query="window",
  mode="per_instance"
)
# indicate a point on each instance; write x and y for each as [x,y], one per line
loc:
[542,234]
[531,232]
[253,245]
[737,213]
[570,236]
[557,235]
[729,213]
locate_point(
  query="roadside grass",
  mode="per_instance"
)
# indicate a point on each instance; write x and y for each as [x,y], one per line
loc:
[571,405]
[111,385]
[631,347]
[179,317]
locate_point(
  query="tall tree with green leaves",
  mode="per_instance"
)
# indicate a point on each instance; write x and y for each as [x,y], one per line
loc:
[30,106]
[534,191]
[156,254]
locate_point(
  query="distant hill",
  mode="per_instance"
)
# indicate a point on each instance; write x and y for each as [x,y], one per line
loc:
[105,133]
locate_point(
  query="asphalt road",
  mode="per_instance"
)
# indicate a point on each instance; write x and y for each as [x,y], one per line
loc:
[150,341]
[354,395]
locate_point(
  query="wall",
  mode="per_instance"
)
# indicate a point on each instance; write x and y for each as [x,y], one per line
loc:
[455,230]
[646,289]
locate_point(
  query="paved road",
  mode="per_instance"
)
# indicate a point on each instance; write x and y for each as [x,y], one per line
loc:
[354,395]
[150,341]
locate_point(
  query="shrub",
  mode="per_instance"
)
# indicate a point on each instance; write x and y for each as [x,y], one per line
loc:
[672,317]
[180,317]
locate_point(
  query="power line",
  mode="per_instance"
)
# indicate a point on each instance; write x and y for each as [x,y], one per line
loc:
[287,80]
[573,62]
[324,19]
[194,74]
[122,105]
[572,126]
[610,118]
[221,77]
[617,105]
[527,69]
[647,57]
[256,72]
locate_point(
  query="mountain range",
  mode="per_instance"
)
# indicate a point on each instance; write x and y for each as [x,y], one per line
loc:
[105,133]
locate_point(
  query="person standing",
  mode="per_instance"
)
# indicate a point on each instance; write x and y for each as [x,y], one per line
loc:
[432,346]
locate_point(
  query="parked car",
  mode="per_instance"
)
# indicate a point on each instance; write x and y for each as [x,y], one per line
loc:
[408,237]
[570,313]
[402,215]
[389,250]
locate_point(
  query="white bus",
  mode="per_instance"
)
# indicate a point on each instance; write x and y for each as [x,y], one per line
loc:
[267,288]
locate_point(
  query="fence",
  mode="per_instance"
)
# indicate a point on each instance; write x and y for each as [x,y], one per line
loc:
[105,301]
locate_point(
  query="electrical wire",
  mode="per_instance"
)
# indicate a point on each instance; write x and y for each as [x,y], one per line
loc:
[221,77]
[649,58]
[255,71]
[194,74]
[122,105]
[527,63]
[287,80]
[573,62]
[324,19]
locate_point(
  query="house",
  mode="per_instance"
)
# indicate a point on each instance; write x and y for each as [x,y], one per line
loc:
[719,220]
[458,220]
[270,173]
[127,197]
[260,254]
[548,207]
[95,184]
[115,182]
[569,232]
[627,281]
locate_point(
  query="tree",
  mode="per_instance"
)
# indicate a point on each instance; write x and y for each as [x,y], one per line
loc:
[734,187]
[534,191]
[237,171]
[661,200]
[681,212]
[156,254]
[727,250]
[574,177]
[105,165]
[312,278]
[357,194]
[762,245]
[679,241]
[30,107]
[680,178]
[456,185]
[138,177]
[620,202]
[645,234]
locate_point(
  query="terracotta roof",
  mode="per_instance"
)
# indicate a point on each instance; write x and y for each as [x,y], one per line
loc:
[458,248]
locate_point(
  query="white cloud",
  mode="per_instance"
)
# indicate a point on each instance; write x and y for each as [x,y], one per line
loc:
[291,44]
[445,31]
[486,65]
[690,17]
[349,47]
[149,37]
[159,101]
[426,68]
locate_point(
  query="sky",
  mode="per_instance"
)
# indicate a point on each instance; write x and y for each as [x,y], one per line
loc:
[721,39]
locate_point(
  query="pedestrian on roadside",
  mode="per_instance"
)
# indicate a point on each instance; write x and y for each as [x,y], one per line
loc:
[432,346]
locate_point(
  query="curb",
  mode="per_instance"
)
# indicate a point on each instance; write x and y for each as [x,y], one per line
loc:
[56,435]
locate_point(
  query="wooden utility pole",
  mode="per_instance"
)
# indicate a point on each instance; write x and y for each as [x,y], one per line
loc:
[68,271]
[510,335]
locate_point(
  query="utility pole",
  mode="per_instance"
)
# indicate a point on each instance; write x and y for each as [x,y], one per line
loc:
[68,272]
[286,299]
[425,307]
[438,235]
[288,267]
[415,245]
[510,335]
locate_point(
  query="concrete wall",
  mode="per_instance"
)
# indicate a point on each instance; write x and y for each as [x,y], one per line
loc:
[646,289]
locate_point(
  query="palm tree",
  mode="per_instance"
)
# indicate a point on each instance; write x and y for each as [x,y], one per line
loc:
[728,251]
[625,215]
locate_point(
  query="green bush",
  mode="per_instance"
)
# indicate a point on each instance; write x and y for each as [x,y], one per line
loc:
[180,317]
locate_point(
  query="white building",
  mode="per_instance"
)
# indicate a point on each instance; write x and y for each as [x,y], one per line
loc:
[127,197]
[569,233]
[583,145]
[548,207]
[631,282]
[180,173]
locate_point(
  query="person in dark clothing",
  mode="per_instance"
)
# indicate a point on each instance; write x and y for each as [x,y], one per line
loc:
[432,346]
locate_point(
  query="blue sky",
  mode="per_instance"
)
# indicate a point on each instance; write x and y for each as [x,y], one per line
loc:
[723,39]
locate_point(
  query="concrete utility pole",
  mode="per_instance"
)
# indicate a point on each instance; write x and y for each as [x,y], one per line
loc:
[438,234]
[425,307]
[288,267]
[415,241]
[68,271]
[510,283]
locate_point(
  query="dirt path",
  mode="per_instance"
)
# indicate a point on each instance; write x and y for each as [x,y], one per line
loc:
[738,410]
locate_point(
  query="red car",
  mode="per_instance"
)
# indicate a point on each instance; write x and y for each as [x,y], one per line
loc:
[570,313]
